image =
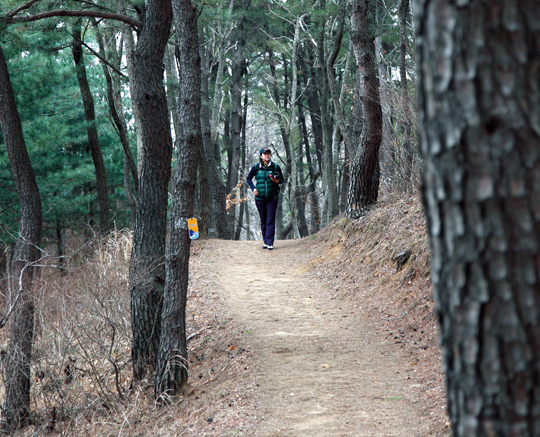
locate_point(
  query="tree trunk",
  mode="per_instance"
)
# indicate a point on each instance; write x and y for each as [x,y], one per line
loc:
[218,216]
[243,204]
[129,43]
[91,130]
[237,71]
[218,94]
[293,131]
[147,270]
[386,153]
[16,409]
[114,101]
[328,174]
[310,82]
[341,126]
[406,150]
[171,75]
[478,70]
[172,370]
[302,223]
[312,193]
[364,171]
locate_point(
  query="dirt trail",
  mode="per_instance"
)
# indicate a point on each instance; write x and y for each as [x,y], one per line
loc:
[321,370]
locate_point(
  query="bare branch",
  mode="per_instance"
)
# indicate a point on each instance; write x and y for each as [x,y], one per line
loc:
[70,13]
[21,8]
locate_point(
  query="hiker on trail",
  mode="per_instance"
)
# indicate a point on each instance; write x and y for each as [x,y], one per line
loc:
[268,176]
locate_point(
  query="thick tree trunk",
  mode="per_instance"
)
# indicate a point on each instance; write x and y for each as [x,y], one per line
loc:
[364,170]
[218,216]
[91,129]
[478,69]
[16,409]
[172,370]
[147,270]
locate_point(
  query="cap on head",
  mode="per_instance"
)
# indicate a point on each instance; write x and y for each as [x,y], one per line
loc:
[265,150]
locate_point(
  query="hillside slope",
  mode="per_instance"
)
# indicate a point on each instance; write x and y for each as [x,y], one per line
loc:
[381,263]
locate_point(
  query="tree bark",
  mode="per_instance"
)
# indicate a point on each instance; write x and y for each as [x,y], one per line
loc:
[310,82]
[218,217]
[243,204]
[218,94]
[91,130]
[364,170]
[480,136]
[387,151]
[312,193]
[147,270]
[172,370]
[237,72]
[328,174]
[129,44]
[16,409]
[114,100]
[406,149]
[337,100]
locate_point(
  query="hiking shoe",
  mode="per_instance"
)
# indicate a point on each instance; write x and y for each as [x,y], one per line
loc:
[265,246]
[269,247]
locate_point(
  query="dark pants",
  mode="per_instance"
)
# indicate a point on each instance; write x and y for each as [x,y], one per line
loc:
[267,212]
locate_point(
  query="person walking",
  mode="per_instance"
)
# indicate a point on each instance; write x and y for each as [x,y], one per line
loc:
[268,176]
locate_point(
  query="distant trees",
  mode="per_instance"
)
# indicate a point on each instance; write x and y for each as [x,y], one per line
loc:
[478,71]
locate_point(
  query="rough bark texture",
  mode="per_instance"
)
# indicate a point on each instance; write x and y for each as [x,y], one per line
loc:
[16,409]
[91,130]
[172,370]
[147,269]
[479,75]
[364,174]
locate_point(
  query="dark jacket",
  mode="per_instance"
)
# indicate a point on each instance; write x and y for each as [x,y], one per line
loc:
[267,189]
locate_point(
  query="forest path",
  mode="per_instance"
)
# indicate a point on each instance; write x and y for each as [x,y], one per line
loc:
[321,370]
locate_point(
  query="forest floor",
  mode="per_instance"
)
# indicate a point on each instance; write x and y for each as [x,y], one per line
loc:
[331,335]
[322,336]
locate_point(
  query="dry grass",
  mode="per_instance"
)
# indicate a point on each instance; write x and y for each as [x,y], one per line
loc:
[81,374]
